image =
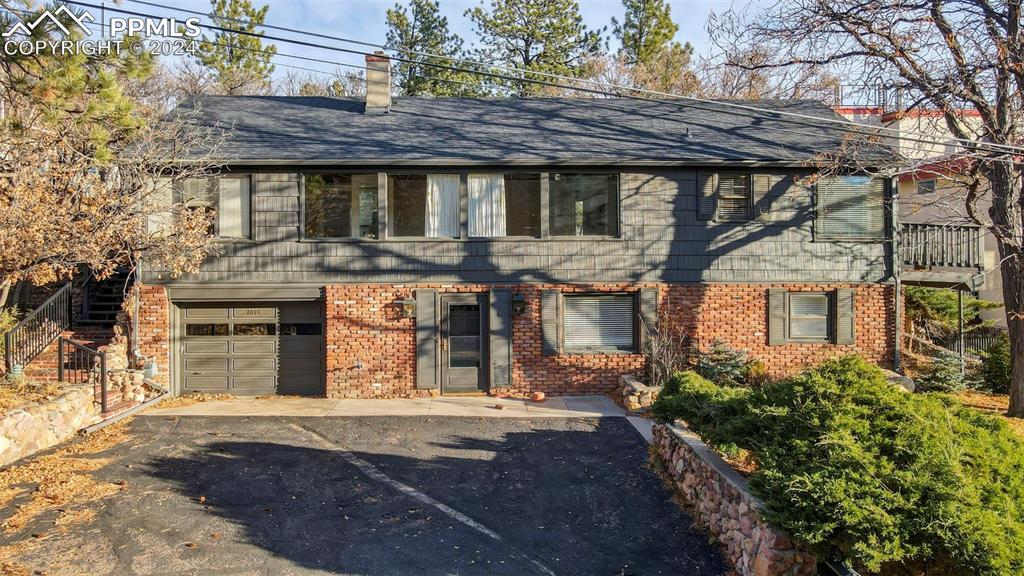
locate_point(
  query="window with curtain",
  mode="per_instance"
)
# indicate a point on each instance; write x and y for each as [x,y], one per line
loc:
[424,205]
[340,206]
[504,205]
[851,208]
[583,204]
[599,322]
[227,196]
[808,316]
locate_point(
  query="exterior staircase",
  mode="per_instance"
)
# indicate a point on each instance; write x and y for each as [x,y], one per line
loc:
[43,367]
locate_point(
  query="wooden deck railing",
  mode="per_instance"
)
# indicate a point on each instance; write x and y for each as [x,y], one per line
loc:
[942,246]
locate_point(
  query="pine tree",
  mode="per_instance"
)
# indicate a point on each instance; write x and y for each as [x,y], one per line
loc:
[239,63]
[646,30]
[535,36]
[420,29]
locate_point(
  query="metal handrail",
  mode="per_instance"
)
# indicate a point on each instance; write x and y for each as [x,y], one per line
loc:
[79,364]
[942,245]
[38,329]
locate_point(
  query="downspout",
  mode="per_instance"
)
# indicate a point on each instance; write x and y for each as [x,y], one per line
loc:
[897,266]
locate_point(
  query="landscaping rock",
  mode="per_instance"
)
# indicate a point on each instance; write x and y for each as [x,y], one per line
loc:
[37,426]
[635,396]
[897,379]
[723,505]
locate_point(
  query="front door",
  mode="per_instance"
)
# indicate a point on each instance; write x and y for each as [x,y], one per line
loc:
[463,354]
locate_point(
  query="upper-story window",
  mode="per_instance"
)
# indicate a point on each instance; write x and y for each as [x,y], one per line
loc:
[504,205]
[340,206]
[925,186]
[424,205]
[228,198]
[725,196]
[583,204]
[851,208]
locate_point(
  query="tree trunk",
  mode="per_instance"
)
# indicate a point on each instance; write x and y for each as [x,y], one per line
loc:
[1006,216]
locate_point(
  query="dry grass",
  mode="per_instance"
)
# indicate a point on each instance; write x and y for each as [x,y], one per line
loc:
[18,392]
[998,403]
[190,399]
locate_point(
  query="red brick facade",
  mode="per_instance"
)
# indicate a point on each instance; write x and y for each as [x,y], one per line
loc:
[371,350]
[155,329]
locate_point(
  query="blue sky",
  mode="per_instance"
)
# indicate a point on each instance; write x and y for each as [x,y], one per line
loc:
[364,20]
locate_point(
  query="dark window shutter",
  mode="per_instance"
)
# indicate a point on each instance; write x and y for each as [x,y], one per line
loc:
[844,316]
[426,339]
[648,312]
[762,197]
[776,316]
[707,187]
[550,322]
[501,338]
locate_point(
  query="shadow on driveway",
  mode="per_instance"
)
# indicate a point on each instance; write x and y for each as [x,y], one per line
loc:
[485,496]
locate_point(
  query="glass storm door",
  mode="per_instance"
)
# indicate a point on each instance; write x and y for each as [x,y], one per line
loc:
[463,334]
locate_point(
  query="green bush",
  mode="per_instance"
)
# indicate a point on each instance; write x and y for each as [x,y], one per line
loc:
[996,367]
[892,479]
[944,375]
[724,365]
[714,410]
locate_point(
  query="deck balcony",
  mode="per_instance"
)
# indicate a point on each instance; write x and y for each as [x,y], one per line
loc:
[942,255]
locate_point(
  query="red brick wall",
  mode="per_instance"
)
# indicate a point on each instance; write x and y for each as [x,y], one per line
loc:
[155,328]
[371,348]
[738,315]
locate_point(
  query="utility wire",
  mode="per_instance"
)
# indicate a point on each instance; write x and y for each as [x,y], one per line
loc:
[842,125]
[897,132]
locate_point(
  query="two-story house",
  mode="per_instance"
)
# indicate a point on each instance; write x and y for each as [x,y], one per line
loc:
[406,246]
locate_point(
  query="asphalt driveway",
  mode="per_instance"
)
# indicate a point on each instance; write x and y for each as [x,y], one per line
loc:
[377,496]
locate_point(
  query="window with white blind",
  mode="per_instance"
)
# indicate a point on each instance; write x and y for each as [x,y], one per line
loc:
[851,208]
[808,316]
[228,197]
[734,198]
[599,322]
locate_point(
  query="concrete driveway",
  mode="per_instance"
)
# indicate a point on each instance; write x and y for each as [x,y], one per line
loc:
[376,496]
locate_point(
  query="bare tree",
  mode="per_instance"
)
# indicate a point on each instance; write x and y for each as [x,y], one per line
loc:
[961,59]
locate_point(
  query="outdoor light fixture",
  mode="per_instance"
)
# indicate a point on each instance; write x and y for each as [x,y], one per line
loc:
[518,304]
[408,308]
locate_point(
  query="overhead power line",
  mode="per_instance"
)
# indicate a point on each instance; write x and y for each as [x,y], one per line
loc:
[927,138]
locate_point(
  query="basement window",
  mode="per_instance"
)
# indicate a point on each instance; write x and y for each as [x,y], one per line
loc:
[809,316]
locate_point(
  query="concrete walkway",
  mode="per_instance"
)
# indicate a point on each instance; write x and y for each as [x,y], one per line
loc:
[557,407]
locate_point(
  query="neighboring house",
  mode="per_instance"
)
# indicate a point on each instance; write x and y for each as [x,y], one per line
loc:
[408,246]
[938,233]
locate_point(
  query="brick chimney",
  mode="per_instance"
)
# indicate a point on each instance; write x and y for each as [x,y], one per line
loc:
[378,83]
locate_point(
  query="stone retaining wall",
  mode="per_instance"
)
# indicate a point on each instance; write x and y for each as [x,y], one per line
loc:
[723,505]
[38,425]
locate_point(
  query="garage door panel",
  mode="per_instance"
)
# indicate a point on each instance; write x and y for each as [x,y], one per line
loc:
[250,347]
[258,383]
[191,313]
[253,364]
[206,364]
[208,347]
[206,382]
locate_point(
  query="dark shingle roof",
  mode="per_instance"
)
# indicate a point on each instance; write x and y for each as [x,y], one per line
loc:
[539,131]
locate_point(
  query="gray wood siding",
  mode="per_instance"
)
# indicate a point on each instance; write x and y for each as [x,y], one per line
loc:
[661,240]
